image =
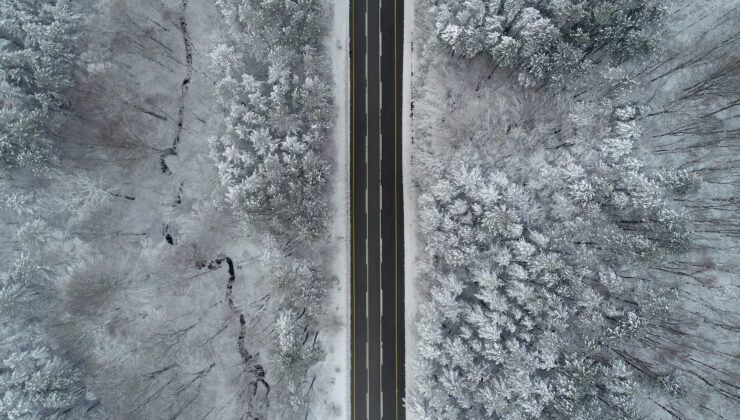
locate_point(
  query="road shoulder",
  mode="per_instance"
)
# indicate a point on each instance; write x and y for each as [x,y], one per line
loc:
[410,194]
[334,399]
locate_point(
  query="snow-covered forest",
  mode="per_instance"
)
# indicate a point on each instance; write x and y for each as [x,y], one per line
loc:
[577,168]
[166,207]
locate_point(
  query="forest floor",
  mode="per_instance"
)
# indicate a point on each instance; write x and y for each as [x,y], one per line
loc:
[166,307]
[147,111]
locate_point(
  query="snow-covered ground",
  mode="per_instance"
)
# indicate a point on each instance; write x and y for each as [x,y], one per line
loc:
[156,292]
[697,133]
[333,384]
[178,327]
[166,317]
[412,241]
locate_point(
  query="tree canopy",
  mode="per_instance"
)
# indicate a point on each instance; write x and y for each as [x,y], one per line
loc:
[545,41]
[530,314]
[38,49]
[269,156]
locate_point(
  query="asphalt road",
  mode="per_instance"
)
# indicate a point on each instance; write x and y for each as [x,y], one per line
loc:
[378,381]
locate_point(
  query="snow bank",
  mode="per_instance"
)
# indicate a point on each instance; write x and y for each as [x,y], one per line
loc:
[410,192]
[333,383]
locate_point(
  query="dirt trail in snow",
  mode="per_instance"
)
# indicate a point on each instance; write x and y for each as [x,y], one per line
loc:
[183,88]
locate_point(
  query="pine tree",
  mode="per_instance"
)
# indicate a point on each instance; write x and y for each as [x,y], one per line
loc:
[525,303]
[34,381]
[295,353]
[548,41]
[269,156]
[37,57]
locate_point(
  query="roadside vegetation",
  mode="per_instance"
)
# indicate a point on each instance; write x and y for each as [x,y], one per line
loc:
[275,93]
[571,173]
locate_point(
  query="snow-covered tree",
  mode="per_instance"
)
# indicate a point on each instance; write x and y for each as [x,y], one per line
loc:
[34,381]
[530,315]
[38,41]
[275,30]
[546,41]
[274,90]
[269,156]
[295,351]
[301,283]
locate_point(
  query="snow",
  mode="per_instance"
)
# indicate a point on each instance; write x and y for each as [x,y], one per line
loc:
[145,57]
[152,326]
[412,241]
[710,293]
[453,99]
[333,382]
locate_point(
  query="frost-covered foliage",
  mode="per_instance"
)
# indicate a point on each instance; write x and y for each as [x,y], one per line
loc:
[295,351]
[580,241]
[529,307]
[548,41]
[269,156]
[300,286]
[273,87]
[35,382]
[38,49]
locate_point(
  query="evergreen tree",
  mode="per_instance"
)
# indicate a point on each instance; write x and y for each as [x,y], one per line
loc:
[526,307]
[294,352]
[269,156]
[34,381]
[37,55]
[548,41]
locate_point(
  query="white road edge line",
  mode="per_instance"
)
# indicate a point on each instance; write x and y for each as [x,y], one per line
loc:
[381,315]
[366,89]
[381,402]
[380,101]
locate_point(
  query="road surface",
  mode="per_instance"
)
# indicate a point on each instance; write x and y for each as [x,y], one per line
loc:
[378,381]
